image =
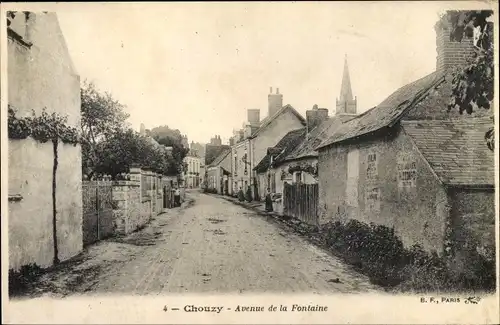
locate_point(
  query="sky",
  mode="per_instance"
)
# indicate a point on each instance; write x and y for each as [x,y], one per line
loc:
[198,67]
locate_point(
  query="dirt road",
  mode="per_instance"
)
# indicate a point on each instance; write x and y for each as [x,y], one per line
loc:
[209,246]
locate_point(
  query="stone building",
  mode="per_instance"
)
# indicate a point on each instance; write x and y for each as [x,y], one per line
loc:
[41,75]
[410,164]
[250,144]
[294,158]
[192,172]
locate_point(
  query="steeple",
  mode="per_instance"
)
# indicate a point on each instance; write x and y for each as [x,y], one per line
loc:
[345,90]
[346,104]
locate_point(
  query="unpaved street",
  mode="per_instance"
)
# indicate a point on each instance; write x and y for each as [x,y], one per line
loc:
[211,245]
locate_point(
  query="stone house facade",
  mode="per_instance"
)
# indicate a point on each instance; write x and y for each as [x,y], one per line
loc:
[248,150]
[38,64]
[411,165]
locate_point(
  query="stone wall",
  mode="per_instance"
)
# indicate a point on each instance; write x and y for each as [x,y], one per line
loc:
[133,209]
[418,209]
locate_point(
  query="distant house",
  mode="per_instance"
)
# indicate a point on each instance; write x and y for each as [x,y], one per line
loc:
[192,172]
[218,173]
[41,75]
[251,144]
[409,164]
[270,170]
[294,158]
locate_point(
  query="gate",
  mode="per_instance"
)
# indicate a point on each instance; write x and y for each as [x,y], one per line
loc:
[98,220]
[301,201]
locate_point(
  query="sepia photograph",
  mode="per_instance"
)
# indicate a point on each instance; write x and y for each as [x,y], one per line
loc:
[237,149]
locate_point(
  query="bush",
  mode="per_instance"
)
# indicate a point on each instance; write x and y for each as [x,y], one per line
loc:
[20,281]
[377,252]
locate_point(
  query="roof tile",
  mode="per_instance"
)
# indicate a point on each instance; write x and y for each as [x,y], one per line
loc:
[455,149]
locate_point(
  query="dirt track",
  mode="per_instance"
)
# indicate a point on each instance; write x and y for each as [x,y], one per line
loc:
[209,246]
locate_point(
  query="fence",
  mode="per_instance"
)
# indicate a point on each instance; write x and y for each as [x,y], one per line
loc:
[98,219]
[123,206]
[301,201]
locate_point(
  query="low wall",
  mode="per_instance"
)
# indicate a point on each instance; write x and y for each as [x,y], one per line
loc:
[133,205]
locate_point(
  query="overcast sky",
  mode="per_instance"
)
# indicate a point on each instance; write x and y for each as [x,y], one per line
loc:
[199,66]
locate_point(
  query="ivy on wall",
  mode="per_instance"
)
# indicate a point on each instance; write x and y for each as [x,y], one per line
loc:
[44,128]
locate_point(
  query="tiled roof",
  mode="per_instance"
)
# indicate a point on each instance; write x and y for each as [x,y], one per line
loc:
[316,136]
[220,158]
[282,148]
[265,122]
[455,149]
[387,113]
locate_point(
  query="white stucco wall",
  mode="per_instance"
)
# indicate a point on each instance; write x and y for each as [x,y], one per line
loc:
[39,77]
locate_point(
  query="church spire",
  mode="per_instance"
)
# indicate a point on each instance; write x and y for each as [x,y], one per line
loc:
[346,103]
[345,90]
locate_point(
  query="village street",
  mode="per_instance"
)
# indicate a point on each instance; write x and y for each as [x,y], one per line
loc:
[209,245]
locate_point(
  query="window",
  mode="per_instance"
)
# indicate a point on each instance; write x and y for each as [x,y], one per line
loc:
[371,166]
[372,200]
[245,162]
[407,171]
[235,165]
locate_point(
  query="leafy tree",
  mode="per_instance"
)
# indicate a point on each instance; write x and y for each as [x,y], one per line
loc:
[118,152]
[124,148]
[473,86]
[178,153]
[102,117]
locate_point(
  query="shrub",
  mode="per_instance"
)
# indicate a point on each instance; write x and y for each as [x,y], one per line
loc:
[20,281]
[377,252]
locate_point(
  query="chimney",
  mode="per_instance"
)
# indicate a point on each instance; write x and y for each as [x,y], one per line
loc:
[450,54]
[315,117]
[247,130]
[270,90]
[275,102]
[253,116]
